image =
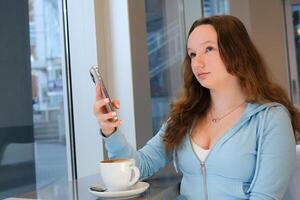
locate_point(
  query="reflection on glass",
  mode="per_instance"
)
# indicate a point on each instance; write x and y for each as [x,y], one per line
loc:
[17,163]
[165,40]
[45,19]
[296,24]
[215,7]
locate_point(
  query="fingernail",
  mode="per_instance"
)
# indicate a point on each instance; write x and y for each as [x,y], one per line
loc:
[121,121]
[113,113]
[106,100]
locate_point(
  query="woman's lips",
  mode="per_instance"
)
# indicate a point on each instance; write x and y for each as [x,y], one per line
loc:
[203,75]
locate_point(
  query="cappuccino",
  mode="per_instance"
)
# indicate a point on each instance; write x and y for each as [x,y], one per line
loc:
[119,174]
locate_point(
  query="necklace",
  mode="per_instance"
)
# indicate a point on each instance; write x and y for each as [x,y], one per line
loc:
[218,119]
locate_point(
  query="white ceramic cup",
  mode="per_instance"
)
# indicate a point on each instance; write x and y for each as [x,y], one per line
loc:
[119,174]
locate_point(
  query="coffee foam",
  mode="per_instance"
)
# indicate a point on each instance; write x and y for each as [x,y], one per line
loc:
[118,160]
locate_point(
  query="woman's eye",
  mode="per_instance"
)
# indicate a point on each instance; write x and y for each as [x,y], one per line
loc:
[192,55]
[208,49]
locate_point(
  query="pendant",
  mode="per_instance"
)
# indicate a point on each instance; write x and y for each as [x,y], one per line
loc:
[215,120]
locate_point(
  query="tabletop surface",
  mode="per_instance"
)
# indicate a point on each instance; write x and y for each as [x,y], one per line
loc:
[164,185]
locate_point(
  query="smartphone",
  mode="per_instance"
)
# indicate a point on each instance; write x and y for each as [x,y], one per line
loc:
[97,79]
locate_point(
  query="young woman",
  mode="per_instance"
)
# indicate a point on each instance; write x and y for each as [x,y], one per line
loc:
[231,132]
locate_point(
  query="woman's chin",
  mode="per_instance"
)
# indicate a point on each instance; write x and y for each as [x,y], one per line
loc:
[205,84]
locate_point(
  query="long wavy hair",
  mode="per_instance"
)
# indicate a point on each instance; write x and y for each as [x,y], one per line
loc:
[242,60]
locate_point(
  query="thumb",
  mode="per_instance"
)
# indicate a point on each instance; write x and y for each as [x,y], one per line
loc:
[98,92]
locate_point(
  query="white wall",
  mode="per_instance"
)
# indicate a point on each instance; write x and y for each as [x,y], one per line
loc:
[83,54]
[265,23]
[121,30]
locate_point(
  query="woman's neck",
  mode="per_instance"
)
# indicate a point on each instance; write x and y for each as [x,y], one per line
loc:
[226,99]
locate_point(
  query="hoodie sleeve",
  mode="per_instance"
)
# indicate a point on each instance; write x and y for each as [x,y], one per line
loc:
[149,159]
[276,156]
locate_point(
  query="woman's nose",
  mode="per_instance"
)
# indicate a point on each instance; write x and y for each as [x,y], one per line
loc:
[198,61]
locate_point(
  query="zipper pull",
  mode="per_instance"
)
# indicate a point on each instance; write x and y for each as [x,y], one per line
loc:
[202,164]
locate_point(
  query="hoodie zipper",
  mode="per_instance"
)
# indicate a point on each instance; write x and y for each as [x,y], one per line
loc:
[202,167]
[203,172]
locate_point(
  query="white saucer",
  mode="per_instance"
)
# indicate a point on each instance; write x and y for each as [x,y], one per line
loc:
[134,191]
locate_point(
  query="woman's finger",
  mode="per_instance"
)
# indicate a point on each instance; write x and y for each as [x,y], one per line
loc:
[99,106]
[116,103]
[106,117]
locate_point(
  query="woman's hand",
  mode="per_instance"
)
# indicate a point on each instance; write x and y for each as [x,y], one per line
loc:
[105,120]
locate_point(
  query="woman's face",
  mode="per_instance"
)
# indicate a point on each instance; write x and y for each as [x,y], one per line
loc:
[206,62]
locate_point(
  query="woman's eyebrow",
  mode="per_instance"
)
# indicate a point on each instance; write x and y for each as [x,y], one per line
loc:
[201,44]
[207,42]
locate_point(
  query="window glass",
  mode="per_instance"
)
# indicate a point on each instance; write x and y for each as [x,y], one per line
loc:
[296,25]
[47,61]
[32,127]
[215,7]
[165,40]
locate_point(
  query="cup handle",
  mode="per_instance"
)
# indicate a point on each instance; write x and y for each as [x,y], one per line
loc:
[136,175]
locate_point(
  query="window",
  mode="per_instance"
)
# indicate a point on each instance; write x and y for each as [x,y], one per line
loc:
[166,47]
[296,26]
[47,58]
[214,7]
[32,126]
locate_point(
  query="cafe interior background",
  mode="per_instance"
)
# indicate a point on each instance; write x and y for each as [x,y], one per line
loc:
[47,129]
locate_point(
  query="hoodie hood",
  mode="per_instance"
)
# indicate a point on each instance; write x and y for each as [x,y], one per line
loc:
[254,108]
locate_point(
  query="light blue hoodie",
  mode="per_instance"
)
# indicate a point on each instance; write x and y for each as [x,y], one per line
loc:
[253,160]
